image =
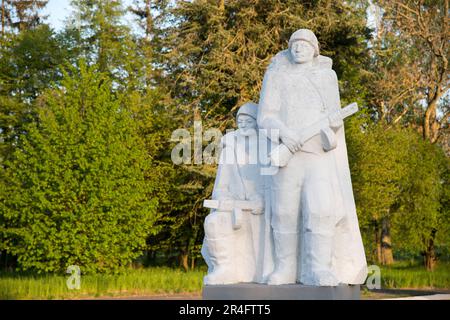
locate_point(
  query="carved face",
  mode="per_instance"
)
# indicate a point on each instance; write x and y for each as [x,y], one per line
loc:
[246,125]
[302,51]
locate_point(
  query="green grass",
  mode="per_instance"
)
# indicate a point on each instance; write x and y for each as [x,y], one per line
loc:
[162,280]
[412,275]
[150,281]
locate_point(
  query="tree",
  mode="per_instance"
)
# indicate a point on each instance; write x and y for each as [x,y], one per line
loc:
[408,88]
[142,10]
[401,190]
[148,14]
[423,222]
[394,75]
[379,165]
[5,16]
[76,190]
[21,15]
[30,63]
[215,53]
[421,27]
[106,41]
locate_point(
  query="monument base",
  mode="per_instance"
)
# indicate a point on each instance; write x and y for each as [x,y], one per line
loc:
[256,291]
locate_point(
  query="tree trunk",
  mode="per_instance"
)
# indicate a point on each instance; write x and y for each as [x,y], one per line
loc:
[3,18]
[387,257]
[378,243]
[430,258]
[184,261]
[148,19]
[192,263]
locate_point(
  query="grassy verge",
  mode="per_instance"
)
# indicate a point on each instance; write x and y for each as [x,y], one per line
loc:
[411,275]
[134,282]
[157,281]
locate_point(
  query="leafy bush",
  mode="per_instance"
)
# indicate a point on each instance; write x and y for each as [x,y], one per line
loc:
[78,189]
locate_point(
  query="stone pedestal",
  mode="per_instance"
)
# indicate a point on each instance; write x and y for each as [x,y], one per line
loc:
[255,291]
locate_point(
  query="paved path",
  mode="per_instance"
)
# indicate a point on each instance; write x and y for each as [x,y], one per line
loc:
[427,297]
[153,297]
[384,294]
[197,297]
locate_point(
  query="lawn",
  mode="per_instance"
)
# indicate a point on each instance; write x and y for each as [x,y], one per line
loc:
[411,275]
[162,280]
[150,281]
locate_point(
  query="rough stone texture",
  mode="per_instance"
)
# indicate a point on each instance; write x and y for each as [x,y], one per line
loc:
[254,291]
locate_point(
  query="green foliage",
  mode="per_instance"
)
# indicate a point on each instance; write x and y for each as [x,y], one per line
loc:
[216,55]
[379,166]
[21,15]
[424,213]
[75,191]
[400,177]
[105,41]
[29,63]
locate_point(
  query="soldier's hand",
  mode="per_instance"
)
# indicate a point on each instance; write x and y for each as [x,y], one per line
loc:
[289,139]
[336,121]
[259,204]
[258,211]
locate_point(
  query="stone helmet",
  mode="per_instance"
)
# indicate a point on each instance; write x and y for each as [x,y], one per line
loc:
[305,35]
[249,108]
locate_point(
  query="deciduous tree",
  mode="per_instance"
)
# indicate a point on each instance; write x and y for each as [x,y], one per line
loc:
[77,190]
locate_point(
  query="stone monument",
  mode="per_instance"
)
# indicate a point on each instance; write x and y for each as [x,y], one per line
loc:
[305,242]
[236,229]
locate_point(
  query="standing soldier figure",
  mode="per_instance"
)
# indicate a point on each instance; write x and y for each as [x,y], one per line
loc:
[315,228]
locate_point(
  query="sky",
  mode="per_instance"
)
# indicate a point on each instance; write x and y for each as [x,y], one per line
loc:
[58,10]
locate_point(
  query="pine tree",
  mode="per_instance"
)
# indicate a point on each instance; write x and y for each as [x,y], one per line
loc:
[216,52]
[21,15]
[106,41]
[30,63]
[143,10]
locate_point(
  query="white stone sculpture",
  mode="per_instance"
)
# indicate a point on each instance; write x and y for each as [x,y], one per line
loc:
[313,217]
[235,230]
[298,224]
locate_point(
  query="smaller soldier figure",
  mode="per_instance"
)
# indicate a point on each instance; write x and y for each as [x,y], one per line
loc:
[234,228]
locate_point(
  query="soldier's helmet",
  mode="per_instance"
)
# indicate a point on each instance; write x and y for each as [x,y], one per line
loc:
[248,108]
[305,35]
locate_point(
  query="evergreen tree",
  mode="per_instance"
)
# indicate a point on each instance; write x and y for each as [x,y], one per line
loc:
[216,52]
[30,63]
[21,15]
[76,190]
[106,41]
